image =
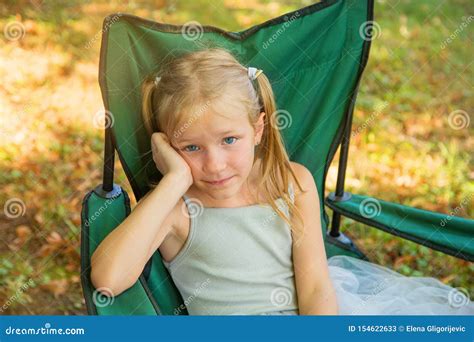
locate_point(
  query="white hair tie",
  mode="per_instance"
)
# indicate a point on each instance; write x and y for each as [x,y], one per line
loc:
[156,81]
[253,73]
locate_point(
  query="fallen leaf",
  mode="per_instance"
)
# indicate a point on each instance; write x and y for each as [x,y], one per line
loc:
[404,259]
[56,287]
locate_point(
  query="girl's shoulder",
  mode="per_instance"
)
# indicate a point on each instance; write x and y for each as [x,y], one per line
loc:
[298,168]
[304,177]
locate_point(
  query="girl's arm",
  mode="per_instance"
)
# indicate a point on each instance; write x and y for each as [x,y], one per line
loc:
[120,258]
[316,294]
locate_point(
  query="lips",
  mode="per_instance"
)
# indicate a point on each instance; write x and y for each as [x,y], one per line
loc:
[222,181]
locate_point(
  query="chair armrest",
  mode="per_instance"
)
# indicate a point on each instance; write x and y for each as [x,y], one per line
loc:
[101,213]
[450,234]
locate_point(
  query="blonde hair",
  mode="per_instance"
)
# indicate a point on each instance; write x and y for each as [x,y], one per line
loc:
[189,83]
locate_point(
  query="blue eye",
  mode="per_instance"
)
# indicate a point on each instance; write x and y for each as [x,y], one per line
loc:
[189,147]
[186,148]
[230,138]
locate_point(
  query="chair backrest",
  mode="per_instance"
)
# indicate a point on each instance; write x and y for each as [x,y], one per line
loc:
[314,58]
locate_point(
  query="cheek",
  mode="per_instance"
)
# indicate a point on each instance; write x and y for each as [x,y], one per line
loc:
[190,160]
[242,158]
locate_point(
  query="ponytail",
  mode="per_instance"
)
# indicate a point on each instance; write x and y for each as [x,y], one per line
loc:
[149,120]
[275,160]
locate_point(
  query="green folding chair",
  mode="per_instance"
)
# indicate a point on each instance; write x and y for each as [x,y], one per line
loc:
[314,58]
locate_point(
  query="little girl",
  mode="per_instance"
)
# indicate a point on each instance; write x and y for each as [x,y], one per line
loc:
[238,224]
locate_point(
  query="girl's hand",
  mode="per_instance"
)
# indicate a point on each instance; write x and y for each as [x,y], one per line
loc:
[167,160]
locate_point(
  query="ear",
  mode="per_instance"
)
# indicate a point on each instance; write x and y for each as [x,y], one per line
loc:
[259,126]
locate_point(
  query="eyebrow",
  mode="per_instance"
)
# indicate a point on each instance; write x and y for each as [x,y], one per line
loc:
[190,139]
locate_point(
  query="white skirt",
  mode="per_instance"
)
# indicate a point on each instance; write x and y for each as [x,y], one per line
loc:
[364,288]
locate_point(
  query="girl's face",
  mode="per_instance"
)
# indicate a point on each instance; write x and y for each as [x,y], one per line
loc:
[220,147]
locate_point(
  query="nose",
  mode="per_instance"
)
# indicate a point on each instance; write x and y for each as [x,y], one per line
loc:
[215,162]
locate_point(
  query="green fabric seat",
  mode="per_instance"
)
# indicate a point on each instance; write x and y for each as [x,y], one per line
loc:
[314,58]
